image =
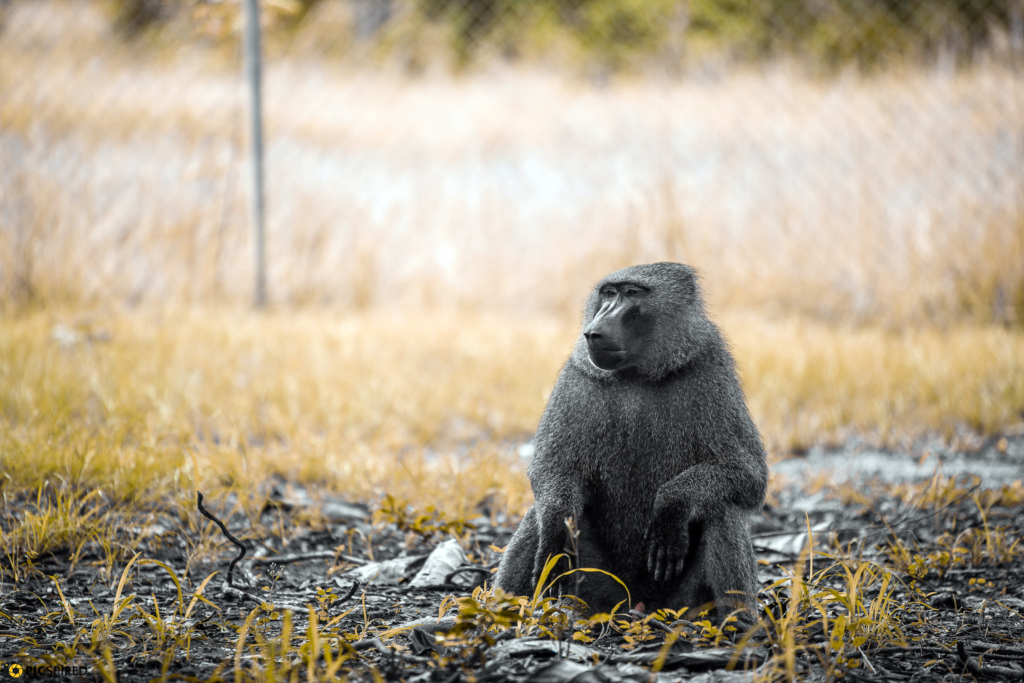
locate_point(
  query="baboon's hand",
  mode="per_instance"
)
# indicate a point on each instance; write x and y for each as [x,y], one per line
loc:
[667,540]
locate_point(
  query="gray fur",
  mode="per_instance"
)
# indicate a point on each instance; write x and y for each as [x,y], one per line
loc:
[658,456]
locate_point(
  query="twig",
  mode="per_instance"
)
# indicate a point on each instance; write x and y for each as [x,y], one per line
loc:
[989,650]
[867,661]
[434,587]
[302,557]
[351,591]
[239,544]
[979,669]
[658,623]
[914,650]
[481,570]
[1000,649]
[374,643]
[243,595]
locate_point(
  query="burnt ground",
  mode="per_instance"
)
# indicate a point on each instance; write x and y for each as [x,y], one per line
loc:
[939,594]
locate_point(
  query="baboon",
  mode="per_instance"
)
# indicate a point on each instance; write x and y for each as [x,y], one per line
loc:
[647,444]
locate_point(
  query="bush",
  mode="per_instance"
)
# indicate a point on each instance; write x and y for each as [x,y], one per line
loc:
[828,33]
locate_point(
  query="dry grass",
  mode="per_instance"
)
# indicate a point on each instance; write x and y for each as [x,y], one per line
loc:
[892,199]
[417,405]
[809,382]
[361,403]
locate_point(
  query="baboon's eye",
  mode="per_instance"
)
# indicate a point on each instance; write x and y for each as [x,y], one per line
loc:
[607,292]
[632,291]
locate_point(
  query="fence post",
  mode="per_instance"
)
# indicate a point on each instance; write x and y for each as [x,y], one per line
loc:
[253,69]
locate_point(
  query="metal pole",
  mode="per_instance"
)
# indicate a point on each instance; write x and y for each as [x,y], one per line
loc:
[253,69]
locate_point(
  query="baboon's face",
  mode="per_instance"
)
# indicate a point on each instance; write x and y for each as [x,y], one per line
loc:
[616,336]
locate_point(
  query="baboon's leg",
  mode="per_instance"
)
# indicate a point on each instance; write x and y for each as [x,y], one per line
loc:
[599,591]
[515,571]
[720,563]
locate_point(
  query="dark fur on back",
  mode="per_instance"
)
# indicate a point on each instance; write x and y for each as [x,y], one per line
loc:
[663,451]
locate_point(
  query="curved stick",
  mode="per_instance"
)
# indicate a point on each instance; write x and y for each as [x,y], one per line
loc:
[239,544]
[482,570]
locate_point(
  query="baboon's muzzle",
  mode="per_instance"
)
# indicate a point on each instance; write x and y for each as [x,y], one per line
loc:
[608,339]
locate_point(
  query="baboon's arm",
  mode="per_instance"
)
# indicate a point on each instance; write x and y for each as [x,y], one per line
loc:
[738,478]
[556,499]
[704,491]
[558,469]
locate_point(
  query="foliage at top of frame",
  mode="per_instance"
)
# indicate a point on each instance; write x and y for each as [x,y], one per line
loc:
[624,33]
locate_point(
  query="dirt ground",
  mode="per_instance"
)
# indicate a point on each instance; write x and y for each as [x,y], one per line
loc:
[912,612]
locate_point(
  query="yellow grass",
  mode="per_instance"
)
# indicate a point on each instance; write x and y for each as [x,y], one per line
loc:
[428,408]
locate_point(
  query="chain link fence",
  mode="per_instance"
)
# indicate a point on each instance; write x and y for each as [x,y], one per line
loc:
[855,160]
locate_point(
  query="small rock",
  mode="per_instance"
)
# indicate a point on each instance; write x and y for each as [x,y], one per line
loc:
[441,562]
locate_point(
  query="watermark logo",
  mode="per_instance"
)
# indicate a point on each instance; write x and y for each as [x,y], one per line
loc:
[17,670]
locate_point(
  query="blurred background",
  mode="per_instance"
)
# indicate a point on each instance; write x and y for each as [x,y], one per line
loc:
[445,182]
[854,161]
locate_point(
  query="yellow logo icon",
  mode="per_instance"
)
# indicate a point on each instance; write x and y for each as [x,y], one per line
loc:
[15,670]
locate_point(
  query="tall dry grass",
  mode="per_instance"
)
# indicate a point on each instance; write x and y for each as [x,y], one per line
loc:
[893,198]
[430,409]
